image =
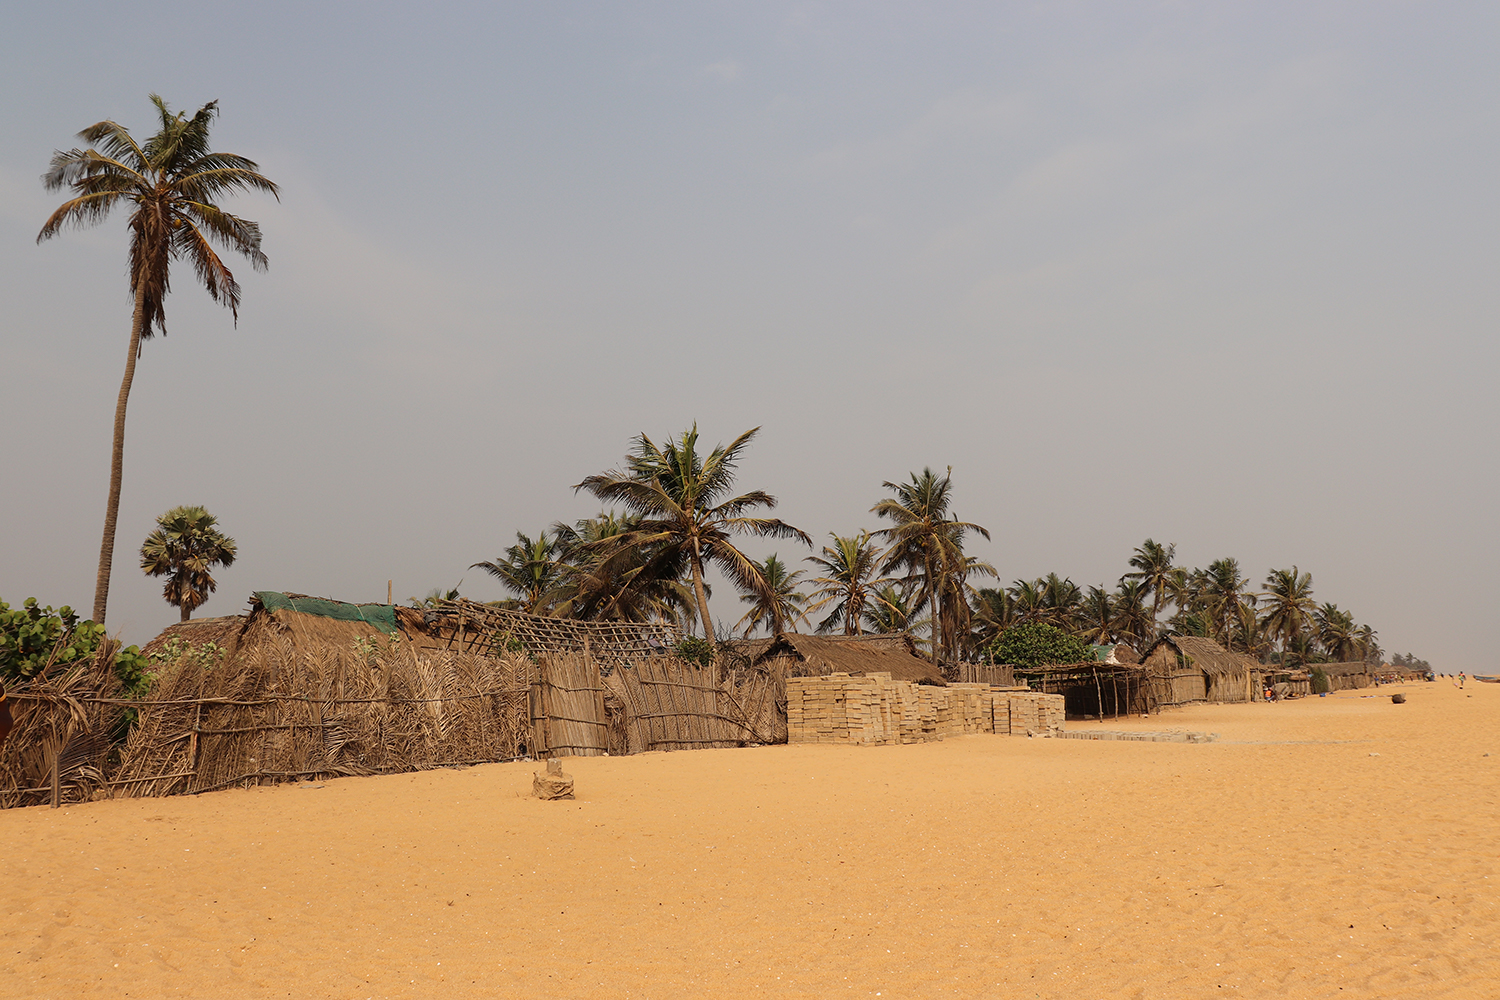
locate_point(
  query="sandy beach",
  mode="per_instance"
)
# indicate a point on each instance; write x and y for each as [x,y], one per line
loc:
[1338,846]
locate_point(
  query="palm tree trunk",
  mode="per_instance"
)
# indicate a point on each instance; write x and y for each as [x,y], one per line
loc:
[702,594]
[117,459]
[937,622]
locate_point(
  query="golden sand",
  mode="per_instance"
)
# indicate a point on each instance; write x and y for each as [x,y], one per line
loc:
[1340,846]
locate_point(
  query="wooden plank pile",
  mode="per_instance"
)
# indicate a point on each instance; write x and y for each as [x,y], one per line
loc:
[873,710]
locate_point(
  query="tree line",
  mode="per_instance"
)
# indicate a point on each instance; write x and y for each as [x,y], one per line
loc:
[676,514]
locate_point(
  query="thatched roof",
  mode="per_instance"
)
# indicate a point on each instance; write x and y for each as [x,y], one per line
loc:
[1116,653]
[307,623]
[894,654]
[223,632]
[1346,668]
[1206,655]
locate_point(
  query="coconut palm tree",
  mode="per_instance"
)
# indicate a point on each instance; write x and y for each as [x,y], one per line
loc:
[601,580]
[1133,623]
[173,183]
[848,567]
[994,612]
[928,545]
[1152,567]
[184,547]
[679,496]
[528,569]
[784,608]
[1337,633]
[1096,615]
[1288,606]
[890,610]
[1225,591]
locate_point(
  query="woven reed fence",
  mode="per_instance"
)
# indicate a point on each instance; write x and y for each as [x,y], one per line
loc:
[662,703]
[275,713]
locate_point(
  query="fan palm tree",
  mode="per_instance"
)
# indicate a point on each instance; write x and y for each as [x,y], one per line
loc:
[185,546]
[783,608]
[679,496]
[1288,606]
[528,569]
[1152,567]
[928,545]
[848,567]
[173,182]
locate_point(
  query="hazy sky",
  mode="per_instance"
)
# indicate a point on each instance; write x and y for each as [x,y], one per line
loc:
[1220,274]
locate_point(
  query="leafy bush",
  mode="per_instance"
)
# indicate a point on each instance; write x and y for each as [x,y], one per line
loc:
[32,636]
[1033,644]
[695,650]
[1320,683]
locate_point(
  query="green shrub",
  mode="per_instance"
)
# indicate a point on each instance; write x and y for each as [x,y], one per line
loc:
[1033,644]
[32,636]
[1320,683]
[695,650]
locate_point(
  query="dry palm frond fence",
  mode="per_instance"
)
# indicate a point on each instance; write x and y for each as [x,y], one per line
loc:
[276,712]
[65,724]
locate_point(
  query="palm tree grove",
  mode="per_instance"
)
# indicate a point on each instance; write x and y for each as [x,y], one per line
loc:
[674,512]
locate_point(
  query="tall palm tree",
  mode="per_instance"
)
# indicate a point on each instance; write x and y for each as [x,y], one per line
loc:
[1151,565]
[528,569]
[783,607]
[173,183]
[848,567]
[928,545]
[679,496]
[184,547]
[1225,593]
[1288,607]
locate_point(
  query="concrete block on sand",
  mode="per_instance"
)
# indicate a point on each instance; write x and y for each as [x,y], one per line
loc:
[552,783]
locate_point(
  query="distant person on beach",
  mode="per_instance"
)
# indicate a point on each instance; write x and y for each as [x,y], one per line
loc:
[1462,676]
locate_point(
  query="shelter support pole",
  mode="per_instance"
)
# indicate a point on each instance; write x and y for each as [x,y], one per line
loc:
[1099,691]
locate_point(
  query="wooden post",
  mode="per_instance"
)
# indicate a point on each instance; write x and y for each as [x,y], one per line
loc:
[389,586]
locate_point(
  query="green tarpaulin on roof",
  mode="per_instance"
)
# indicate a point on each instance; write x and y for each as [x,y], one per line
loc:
[380,616]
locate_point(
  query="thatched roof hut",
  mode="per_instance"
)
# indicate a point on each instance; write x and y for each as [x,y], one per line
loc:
[1115,653]
[802,655]
[1349,675]
[1188,668]
[308,623]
